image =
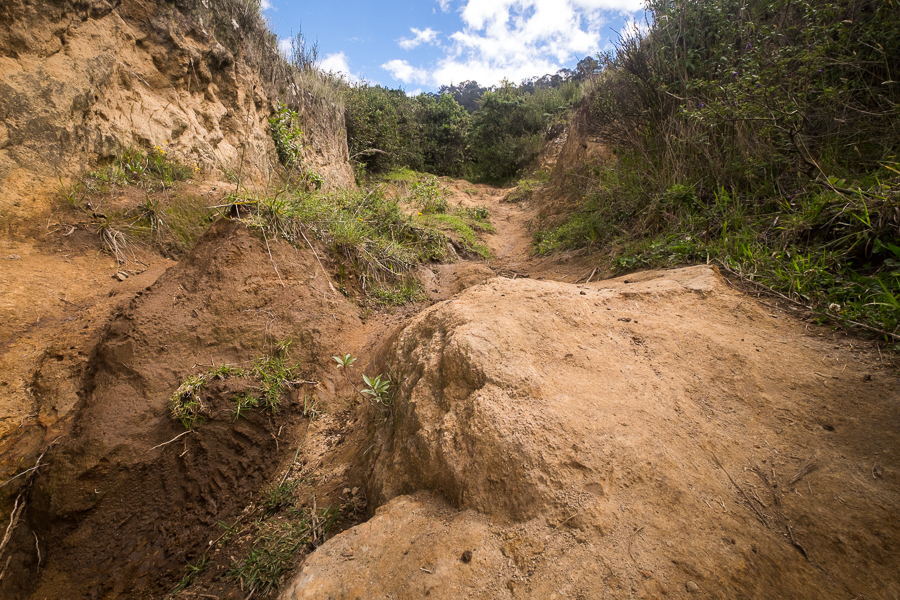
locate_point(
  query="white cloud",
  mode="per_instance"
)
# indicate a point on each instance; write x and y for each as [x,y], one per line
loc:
[286,47]
[445,5]
[405,72]
[515,39]
[337,63]
[265,5]
[422,36]
[415,92]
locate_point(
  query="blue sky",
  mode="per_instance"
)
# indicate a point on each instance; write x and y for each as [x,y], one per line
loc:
[421,45]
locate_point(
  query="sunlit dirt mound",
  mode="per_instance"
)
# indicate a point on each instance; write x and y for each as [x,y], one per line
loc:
[117,514]
[656,435]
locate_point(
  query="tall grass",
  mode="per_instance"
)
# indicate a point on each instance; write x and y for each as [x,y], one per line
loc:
[763,135]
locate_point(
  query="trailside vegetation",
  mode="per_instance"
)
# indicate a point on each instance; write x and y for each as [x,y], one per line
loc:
[761,135]
[434,133]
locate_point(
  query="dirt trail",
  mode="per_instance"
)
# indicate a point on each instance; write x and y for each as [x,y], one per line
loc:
[655,435]
[636,437]
[510,245]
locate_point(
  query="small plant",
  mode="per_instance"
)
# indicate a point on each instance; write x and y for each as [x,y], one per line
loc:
[287,135]
[310,408]
[281,496]
[481,213]
[151,212]
[243,402]
[73,193]
[313,179]
[185,404]
[274,373]
[430,196]
[378,389]
[344,361]
[192,571]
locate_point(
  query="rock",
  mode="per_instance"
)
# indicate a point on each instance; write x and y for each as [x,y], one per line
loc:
[534,425]
[692,587]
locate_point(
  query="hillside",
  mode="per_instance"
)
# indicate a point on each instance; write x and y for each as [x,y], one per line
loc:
[244,355]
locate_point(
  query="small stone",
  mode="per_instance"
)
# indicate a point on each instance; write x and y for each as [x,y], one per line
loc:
[120,276]
[466,556]
[692,587]
[13,257]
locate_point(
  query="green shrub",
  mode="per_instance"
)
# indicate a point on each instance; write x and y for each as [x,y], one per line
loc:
[758,135]
[287,135]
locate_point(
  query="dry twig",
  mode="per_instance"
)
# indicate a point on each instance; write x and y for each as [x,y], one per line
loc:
[805,469]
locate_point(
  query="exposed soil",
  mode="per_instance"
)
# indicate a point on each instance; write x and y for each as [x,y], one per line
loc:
[654,435]
[641,436]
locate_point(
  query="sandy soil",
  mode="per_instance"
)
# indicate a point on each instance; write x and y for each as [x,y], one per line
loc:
[629,437]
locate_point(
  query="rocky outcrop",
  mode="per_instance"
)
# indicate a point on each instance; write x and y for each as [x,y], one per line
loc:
[653,435]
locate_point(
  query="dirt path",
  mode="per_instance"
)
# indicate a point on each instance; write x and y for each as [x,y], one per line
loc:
[690,360]
[510,245]
[660,435]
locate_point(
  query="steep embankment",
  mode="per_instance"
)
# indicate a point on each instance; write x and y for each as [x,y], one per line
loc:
[80,82]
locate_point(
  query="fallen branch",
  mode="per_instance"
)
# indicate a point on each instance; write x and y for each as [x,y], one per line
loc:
[759,514]
[369,151]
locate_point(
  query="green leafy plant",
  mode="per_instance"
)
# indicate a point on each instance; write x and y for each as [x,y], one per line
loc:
[429,196]
[192,571]
[377,388]
[287,135]
[273,373]
[344,361]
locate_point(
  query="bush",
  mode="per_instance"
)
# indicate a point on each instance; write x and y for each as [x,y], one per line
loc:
[443,124]
[762,135]
[382,128]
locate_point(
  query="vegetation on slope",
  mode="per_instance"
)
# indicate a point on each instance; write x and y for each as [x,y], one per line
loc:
[759,135]
[387,130]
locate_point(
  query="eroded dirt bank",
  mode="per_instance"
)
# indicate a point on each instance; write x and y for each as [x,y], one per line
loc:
[80,81]
[658,435]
